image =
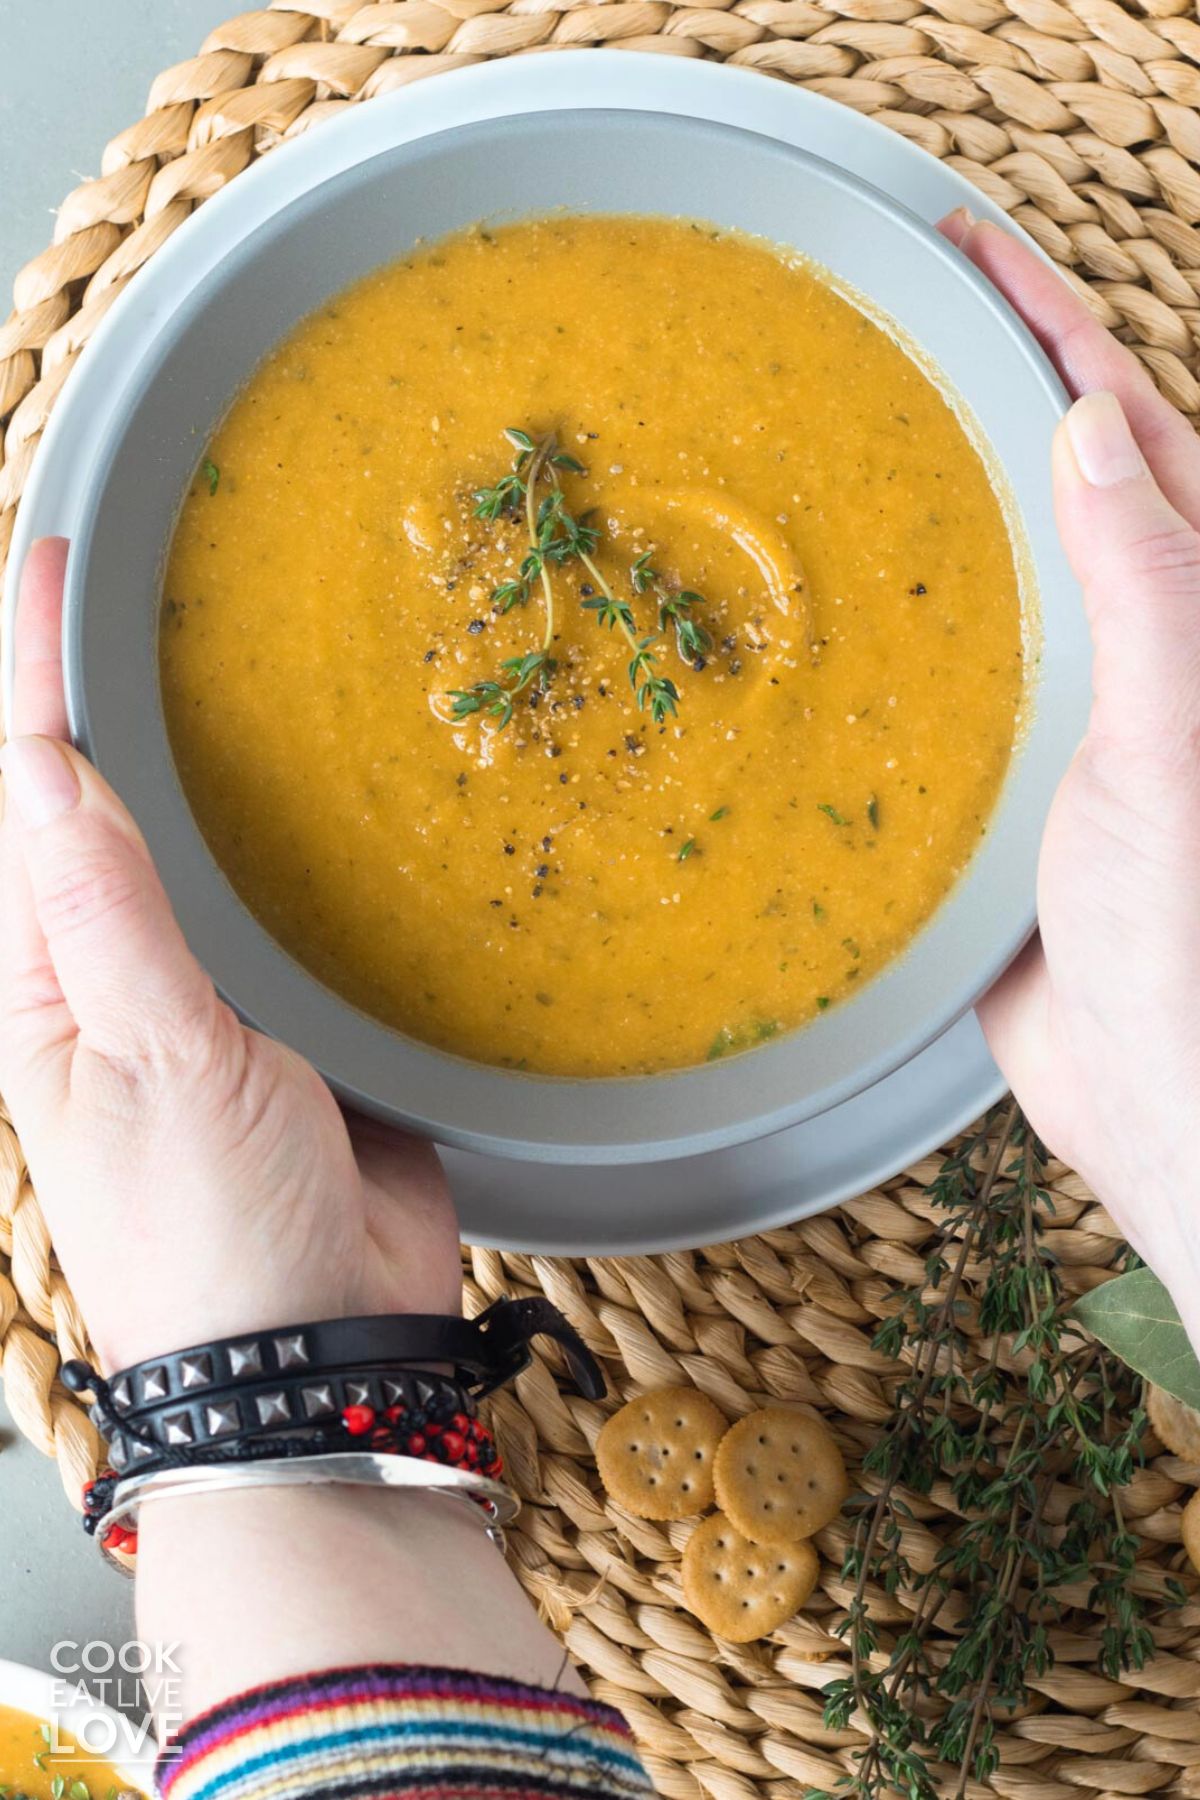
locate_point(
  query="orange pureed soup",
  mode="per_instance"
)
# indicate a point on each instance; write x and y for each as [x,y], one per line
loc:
[38,1763]
[396,645]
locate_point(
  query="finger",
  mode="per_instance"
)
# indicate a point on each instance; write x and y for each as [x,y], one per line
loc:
[395,1160]
[132,986]
[34,1019]
[1014,1017]
[956,225]
[1086,356]
[410,1214]
[39,706]
[35,1024]
[1138,561]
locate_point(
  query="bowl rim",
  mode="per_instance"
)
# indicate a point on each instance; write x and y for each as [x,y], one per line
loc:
[35,1691]
[870,1069]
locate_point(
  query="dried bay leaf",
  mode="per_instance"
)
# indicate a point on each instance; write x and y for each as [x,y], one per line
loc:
[1137,1319]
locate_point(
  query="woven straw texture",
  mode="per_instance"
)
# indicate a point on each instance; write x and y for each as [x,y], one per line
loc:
[1082,119]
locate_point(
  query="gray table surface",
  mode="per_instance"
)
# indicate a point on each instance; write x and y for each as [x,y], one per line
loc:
[72,74]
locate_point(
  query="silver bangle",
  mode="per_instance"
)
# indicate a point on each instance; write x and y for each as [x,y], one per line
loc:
[490,1501]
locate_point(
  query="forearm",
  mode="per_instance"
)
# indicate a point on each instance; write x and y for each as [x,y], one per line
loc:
[267,1584]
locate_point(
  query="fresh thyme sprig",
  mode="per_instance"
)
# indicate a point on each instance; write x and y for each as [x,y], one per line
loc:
[556,537]
[496,697]
[653,691]
[548,529]
[1043,1412]
[674,611]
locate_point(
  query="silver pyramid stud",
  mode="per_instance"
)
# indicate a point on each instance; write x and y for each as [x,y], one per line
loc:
[425,1391]
[154,1384]
[317,1400]
[118,1455]
[140,1452]
[292,1351]
[177,1429]
[245,1359]
[119,1389]
[195,1371]
[395,1393]
[273,1409]
[221,1420]
[358,1393]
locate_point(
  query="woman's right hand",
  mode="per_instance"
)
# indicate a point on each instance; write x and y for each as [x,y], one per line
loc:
[1097,1026]
[198,1179]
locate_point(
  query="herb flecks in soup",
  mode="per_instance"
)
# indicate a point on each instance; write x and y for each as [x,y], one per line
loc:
[566,877]
[40,1762]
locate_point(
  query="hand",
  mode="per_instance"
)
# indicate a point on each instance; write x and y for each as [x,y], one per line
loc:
[1097,1026]
[198,1179]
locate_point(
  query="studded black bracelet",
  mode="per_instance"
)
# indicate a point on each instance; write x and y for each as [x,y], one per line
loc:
[484,1352]
[198,1420]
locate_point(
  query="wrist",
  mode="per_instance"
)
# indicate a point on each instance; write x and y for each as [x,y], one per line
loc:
[322,1577]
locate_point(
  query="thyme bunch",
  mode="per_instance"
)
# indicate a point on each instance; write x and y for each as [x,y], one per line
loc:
[1002,1433]
[555,537]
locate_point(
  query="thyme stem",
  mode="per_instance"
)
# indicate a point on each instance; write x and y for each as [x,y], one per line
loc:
[537,463]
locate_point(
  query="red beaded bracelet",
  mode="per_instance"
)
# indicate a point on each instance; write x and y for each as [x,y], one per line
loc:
[459,1442]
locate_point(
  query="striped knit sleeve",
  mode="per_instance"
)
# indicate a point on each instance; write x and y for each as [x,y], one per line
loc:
[401,1730]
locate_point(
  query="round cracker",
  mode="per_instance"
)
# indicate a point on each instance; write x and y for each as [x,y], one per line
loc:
[779,1476]
[656,1454]
[741,1590]
[1176,1424]
[1190,1525]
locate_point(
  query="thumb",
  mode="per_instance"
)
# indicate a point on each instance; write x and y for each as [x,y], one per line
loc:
[126,975]
[1138,561]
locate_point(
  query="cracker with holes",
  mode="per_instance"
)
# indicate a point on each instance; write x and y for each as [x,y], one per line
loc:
[742,1590]
[779,1476]
[1176,1424]
[1190,1530]
[655,1455]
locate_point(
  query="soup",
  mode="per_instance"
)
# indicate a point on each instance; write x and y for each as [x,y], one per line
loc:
[30,1767]
[592,645]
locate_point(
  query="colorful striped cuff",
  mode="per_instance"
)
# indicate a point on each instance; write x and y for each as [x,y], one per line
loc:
[384,1730]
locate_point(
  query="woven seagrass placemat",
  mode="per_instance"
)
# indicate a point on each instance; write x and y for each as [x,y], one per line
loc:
[1082,119]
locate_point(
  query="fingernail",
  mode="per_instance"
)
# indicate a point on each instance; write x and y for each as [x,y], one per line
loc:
[1105,449]
[957,224]
[39,781]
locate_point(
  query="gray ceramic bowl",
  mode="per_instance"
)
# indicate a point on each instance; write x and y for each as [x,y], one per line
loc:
[207,341]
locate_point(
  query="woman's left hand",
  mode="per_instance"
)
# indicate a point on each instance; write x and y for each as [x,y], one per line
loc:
[1096,1025]
[198,1178]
